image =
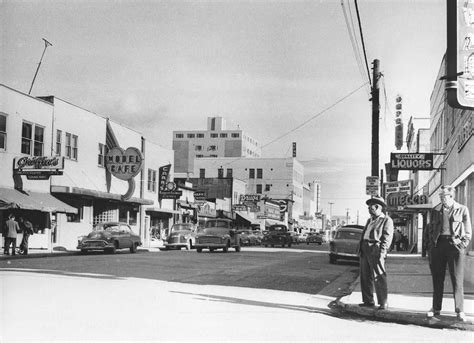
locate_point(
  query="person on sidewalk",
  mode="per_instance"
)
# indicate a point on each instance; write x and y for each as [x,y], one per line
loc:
[449,234]
[374,244]
[10,235]
[27,229]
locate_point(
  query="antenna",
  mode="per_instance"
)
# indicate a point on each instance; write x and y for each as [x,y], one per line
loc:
[46,44]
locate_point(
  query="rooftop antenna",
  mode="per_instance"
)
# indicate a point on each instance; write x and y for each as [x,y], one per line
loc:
[46,44]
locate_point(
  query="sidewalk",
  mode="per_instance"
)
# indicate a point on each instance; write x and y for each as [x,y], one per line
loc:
[410,296]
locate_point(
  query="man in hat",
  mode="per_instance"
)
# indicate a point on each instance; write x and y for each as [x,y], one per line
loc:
[374,244]
[449,234]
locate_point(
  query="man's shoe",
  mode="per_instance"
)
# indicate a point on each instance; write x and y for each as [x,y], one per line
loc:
[366,304]
[383,307]
[461,316]
[431,313]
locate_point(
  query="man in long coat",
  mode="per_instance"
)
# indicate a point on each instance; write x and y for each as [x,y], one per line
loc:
[10,235]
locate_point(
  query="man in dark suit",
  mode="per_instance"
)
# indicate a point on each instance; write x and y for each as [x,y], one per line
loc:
[449,234]
[10,235]
[374,245]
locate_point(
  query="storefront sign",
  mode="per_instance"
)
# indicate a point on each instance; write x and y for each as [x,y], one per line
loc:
[200,195]
[411,161]
[124,165]
[402,200]
[38,167]
[249,198]
[405,186]
[239,207]
[170,191]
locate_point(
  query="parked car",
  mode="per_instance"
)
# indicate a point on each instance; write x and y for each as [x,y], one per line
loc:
[181,235]
[294,237]
[314,237]
[302,237]
[217,234]
[278,234]
[109,237]
[345,244]
[247,237]
[258,235]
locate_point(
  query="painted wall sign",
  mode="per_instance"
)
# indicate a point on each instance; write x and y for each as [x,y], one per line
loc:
[411,161]
[124,164]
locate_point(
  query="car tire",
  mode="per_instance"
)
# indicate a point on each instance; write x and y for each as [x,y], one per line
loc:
[320,243]
[332,259]
[283,245]
[83,251]
[265,245]
[199,250]
[226,248]
[289,245]
[133,248]
[237,248]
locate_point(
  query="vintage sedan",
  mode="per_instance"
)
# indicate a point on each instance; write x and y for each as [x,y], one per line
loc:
[345,244]
[109,237]
[314,237]
[248,237]
[181,235]
[217,234]
[278,234]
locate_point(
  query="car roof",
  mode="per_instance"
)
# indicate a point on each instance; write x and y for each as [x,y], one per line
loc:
[112,223]
[357,227]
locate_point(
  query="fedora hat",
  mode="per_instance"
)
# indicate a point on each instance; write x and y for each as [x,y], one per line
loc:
[376,200]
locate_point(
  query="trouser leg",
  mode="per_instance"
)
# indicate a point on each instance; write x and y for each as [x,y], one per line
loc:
[456,271]
[438,273]
[380,280]
[366,277]
[13,246]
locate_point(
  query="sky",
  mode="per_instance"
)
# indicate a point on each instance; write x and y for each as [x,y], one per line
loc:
[284,71]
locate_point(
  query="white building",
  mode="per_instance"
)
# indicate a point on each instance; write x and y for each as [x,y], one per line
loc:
[216,141]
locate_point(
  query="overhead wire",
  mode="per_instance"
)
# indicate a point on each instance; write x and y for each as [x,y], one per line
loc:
[363,42]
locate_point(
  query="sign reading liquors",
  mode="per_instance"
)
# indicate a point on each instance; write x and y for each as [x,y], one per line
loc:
[124,164]
[411,161]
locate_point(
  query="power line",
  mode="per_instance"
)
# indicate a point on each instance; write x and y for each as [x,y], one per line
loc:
[363,43]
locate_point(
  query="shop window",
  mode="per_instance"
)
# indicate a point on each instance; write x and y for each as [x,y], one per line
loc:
[152,180]
[259,189]
[104,213]
[259,173]
[76,217]
[202,173]
[128,215]
[251,173]
[103,150]
[71,146]
[59,138]
[3,131]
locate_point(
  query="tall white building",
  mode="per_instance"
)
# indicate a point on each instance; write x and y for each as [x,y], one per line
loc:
[216,141]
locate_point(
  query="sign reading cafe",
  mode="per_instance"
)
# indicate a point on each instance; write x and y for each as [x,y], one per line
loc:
[125,165]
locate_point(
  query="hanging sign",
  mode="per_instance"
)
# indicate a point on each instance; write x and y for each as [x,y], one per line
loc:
[411,161]
[38,167]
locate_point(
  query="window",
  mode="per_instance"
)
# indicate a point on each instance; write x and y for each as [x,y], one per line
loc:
[202,173]
[198,147]
[39,141]
[71,146]
[3,131]
[59,138]
[29,143]
[251,173]
[212,148]
[103,150]
[200,135]
[214,135]
[259,173]
[220,173]
[259,189]
[229,172]
[179,135]
[26,132]
[223,135]
[267,188]
[191,135]
[152,180]
[235,135]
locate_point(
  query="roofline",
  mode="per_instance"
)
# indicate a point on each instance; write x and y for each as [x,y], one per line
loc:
[28,95]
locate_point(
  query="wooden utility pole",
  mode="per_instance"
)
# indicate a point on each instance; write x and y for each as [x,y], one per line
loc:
[375,118]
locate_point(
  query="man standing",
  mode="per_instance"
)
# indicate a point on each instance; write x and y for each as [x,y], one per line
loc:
[27,230]
[374,245]
[10,235]
[449,234]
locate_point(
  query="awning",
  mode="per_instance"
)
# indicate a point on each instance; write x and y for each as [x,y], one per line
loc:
[98,194]
[269,222]
[45,202]
[246,218]
[163,210]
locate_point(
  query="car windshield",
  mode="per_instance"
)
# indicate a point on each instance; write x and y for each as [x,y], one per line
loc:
[217,223]
[180,227]
[107,227]
[277,228]
[348,235]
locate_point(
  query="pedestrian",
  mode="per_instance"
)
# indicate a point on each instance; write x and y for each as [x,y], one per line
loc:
[449,234]
[374,244]
[397,239]
[10,235]
[27,228]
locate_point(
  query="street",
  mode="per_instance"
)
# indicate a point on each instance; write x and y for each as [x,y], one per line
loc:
[258,294]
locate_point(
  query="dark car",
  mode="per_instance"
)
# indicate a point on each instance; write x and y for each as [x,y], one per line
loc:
[345,244]
[217,234]
[181,235]
[109,237]
[247,237]
[278,234]
[314,237]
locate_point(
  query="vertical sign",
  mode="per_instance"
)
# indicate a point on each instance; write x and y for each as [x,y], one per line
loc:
[294,149]
[398,123]
[460,54]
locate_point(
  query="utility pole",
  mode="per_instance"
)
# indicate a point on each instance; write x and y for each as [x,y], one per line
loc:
[375,117]
[347,216]
[330,210]
[46,44]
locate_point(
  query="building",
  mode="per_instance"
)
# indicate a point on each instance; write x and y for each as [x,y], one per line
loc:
[451,134]
[216,141]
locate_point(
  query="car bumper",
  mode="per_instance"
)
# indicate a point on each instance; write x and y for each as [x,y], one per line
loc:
[101,245]
[210,245]
[344,254]
[174,245]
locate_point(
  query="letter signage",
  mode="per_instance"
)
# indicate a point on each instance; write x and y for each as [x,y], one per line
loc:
[124,165]
[411,161]
[38,167]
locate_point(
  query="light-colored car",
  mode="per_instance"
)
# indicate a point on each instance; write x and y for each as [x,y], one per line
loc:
[109,237]
[217,234]
[181,235]
[314,237]
[345,244]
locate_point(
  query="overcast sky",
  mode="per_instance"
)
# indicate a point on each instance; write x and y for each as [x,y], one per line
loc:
[268,66]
